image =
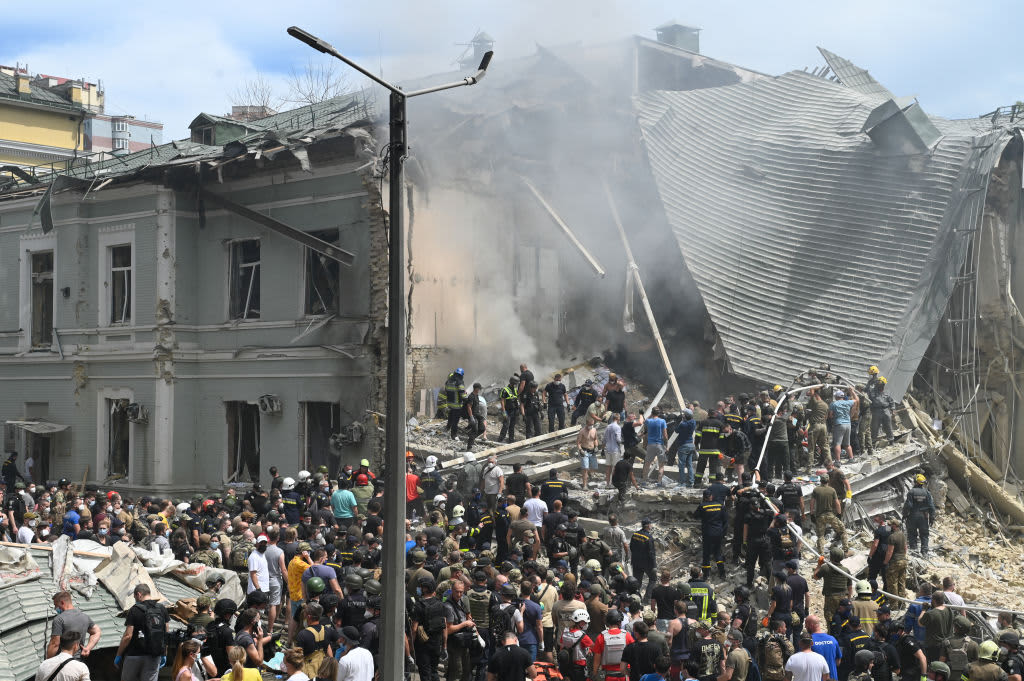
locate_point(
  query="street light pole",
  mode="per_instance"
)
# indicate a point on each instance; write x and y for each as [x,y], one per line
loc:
[392,636]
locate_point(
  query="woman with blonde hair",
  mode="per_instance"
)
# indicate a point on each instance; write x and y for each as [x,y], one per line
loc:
[239,672]
[188,653]
[292,666]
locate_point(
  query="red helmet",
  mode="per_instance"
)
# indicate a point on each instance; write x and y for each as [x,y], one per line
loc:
[207,503]
[362,479]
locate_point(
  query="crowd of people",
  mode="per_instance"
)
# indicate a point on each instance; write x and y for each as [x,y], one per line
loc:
[503,582]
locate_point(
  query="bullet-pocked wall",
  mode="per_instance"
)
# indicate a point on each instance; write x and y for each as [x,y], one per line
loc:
[152,329]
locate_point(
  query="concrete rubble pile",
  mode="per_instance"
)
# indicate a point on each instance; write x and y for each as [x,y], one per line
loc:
[975,539]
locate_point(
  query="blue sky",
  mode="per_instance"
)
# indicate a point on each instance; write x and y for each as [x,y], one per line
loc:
[170,61]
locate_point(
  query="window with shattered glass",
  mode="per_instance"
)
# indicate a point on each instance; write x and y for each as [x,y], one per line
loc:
[121,284]
[322,277]
[245,279]
[42,299]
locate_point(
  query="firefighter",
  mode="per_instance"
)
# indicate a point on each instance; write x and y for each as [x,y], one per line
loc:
[918,514]
[511,408]
[711,514]
[642,554]
[454,397]
[708,453]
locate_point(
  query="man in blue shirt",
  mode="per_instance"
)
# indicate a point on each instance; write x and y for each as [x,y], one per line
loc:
[825,645]
[687,452]
[343,504]
[840,410]
[656,428]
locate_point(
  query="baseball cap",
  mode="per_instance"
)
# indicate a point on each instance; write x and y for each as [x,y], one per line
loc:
[350,634]
[262,538]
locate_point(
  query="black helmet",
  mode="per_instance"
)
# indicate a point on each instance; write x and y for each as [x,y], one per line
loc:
[863,658]
[586,575]
[373,602]
[686,590]
[507,589]
[365,573]
[613,617]
[353,581]
[741,593]
[1010,638]
[632,585]
[372,587]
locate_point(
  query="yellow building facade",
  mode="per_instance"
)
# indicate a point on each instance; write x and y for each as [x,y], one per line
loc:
[40,125]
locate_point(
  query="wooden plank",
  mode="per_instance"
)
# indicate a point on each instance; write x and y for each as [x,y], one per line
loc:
[556,437]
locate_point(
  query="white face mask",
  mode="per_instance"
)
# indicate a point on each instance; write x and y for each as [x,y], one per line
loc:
[368,614]
[81,507]
[45,532]
[32,523]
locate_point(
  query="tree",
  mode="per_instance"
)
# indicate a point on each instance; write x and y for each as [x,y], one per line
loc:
[255,97]
[316,82]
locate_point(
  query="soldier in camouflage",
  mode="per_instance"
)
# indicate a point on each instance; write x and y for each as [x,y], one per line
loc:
[207,554]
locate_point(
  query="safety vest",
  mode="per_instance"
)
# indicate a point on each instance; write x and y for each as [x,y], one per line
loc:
[614,644]
[511,394]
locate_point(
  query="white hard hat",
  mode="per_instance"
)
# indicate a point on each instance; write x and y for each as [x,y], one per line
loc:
[440,500]
[288,484]
[458,511]
[431,464]
[183,506]
[303,475]
[581,616]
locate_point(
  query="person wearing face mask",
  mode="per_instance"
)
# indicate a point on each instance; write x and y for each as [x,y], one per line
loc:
[71,619]
[207,554]
[355,663]
[259,569]
[72,520]
[27,531]
[161,534]
[556,398]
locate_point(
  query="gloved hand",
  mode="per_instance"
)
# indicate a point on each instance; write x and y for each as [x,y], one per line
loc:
[163,662]
[821,560]
[765,621]
[849,494]
[117,661]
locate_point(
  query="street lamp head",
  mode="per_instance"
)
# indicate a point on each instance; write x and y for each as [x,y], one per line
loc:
[313,41]
[486,61]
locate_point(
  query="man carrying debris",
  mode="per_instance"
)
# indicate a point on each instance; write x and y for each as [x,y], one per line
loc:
[511,408]
[475,412]
[826,509]
[557,399]
[919,513]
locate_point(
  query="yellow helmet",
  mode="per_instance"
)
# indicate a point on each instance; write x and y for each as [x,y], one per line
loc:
[872,369]
[776,388]
[881,379]
[920,479]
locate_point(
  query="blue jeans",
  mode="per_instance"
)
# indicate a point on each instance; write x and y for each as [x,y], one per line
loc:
[530,648]
[686,455]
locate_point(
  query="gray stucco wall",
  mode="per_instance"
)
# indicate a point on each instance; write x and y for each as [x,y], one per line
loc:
[186,371]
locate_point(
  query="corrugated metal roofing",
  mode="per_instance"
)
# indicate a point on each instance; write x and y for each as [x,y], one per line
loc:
[26,610]
[807,245]
[854,77]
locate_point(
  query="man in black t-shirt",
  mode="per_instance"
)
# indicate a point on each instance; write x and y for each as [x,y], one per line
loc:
[639,656]
[136,655]
[510,662]
[622,474]
[518,484]
[664,596]
[557,398]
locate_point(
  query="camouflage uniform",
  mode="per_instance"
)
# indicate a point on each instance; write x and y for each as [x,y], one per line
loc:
[208,557]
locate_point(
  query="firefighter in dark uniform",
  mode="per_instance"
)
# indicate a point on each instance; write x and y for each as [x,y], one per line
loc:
[708,452]
[475,414]
[734,444]
[755,536]
[792,497]
[533,409]
[454,397]
[510,408]
[584,398]
[742,495]
[711,514]
[642,554]
[919,514]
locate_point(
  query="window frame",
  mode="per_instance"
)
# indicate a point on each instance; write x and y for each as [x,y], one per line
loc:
[109,239]
[28,246]
[308,256]
[240,310]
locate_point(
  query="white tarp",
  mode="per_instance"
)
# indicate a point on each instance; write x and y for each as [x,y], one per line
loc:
[39,427]
[195,576]
[71,572]
[17,566]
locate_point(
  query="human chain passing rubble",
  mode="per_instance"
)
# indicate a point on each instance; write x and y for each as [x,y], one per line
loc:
[510,574]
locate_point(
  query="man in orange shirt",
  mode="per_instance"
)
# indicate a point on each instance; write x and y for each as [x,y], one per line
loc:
[296,567]
[413,503]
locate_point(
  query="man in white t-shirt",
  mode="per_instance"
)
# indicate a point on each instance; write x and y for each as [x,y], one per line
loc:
[493,481]
[806,665]
[259,568]
[534,508]
[356,662]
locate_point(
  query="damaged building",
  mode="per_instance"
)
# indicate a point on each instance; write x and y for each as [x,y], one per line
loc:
[189,315]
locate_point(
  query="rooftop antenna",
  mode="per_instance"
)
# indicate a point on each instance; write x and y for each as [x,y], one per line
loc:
[466,48]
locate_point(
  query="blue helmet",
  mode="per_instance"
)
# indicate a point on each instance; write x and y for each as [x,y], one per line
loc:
[460,372]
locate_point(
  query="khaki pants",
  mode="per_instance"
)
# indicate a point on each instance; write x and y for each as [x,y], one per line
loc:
[831,605]
[867,445]
[896,577]
[824,521]
[817,438]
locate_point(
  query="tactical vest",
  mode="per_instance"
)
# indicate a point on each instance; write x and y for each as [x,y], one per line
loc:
[480,607]
[614,644]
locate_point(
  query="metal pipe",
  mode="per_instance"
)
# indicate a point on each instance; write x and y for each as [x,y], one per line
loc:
[634,271]
[565,228]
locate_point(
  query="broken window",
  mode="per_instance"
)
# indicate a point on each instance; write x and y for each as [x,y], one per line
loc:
[42,299]
[322,277]
[203,135]
[245,279]
[121,284]
[117,438]
[323,419]
[243,441]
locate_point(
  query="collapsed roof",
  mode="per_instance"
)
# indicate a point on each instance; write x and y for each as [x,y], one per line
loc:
[821,220]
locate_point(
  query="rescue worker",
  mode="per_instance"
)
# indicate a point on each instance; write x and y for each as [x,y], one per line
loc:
[835,585]
[454,398]
[826,509]
[643,557]
[709,454]
[896,559]
[608,648]
[879,542]
[854,641]
[711,515]
[742,494]
[702,594]
[584,398]
[864,606]
[959,650]
[758,519]
[987,667]
[864,443]
[474,412]
[817,431]
[881,410]
[557,400]
[919,514]
[533,410]
[792,497]
[511,409]
[1013,664]
[735,446]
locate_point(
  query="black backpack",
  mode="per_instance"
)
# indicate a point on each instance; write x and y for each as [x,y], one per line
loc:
[152,637]
[433,610]
[750,624]
[502,621]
